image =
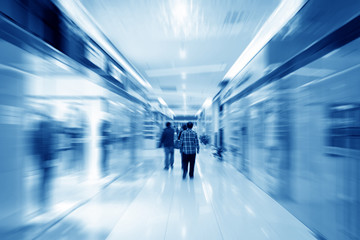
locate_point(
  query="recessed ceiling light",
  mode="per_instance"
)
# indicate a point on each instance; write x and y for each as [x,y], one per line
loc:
[180,11]
[183,75]
[182,53]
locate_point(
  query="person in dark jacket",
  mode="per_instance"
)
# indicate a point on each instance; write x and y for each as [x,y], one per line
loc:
[167,140]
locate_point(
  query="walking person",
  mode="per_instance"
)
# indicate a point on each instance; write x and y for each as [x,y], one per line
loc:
[45,138]
[189,146]
[167,140]
[183,128]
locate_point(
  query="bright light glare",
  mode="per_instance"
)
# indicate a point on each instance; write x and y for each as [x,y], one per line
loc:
[60,64]
[172,112]
[182,53]
[183,231]
[277,20]
[183,75]
[207,103]
[180,11]
[249,210]
[162,101]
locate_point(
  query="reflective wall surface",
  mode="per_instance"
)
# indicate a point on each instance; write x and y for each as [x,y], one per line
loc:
[60,132]
[63,130]
[290,122]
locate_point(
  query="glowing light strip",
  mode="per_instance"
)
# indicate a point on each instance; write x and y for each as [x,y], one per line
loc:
[82,18]
[282,15]
[207,103]
[162,101]
[172,112]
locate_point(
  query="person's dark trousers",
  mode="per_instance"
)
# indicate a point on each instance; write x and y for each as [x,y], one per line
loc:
[182,161]
[169,157]
[45,187]
[104,161]
[188,159]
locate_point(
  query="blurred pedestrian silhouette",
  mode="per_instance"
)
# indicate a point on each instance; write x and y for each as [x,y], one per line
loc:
[105,146]
[167,140]
[46,149]
[183,128]
[77,134]
[189,146]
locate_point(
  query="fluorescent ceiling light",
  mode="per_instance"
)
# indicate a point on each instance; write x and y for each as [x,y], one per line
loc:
[282,15]
[60,64]
[345,107]
[82,18]
[171,111]
[183,75]
[180,11]
[182,53]
[162,101]
[207,103]
[188,70]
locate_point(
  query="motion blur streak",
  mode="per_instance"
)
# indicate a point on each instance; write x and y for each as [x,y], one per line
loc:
[272,88]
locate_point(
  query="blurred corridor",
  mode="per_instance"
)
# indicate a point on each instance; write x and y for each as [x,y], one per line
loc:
[272,88]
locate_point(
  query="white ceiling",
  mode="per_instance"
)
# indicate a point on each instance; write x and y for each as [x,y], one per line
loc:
[183,48]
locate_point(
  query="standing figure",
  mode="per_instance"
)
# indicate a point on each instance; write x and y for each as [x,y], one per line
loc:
[46,149]
[189,146]
[105,146]
[77,134]
[77,145]
[167,140]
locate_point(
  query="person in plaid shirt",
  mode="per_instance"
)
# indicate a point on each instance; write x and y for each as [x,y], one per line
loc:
[189,146]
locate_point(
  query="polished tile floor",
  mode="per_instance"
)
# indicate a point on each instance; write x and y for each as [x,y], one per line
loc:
[150,203]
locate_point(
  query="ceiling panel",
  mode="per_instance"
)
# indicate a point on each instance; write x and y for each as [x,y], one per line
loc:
[188,45]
